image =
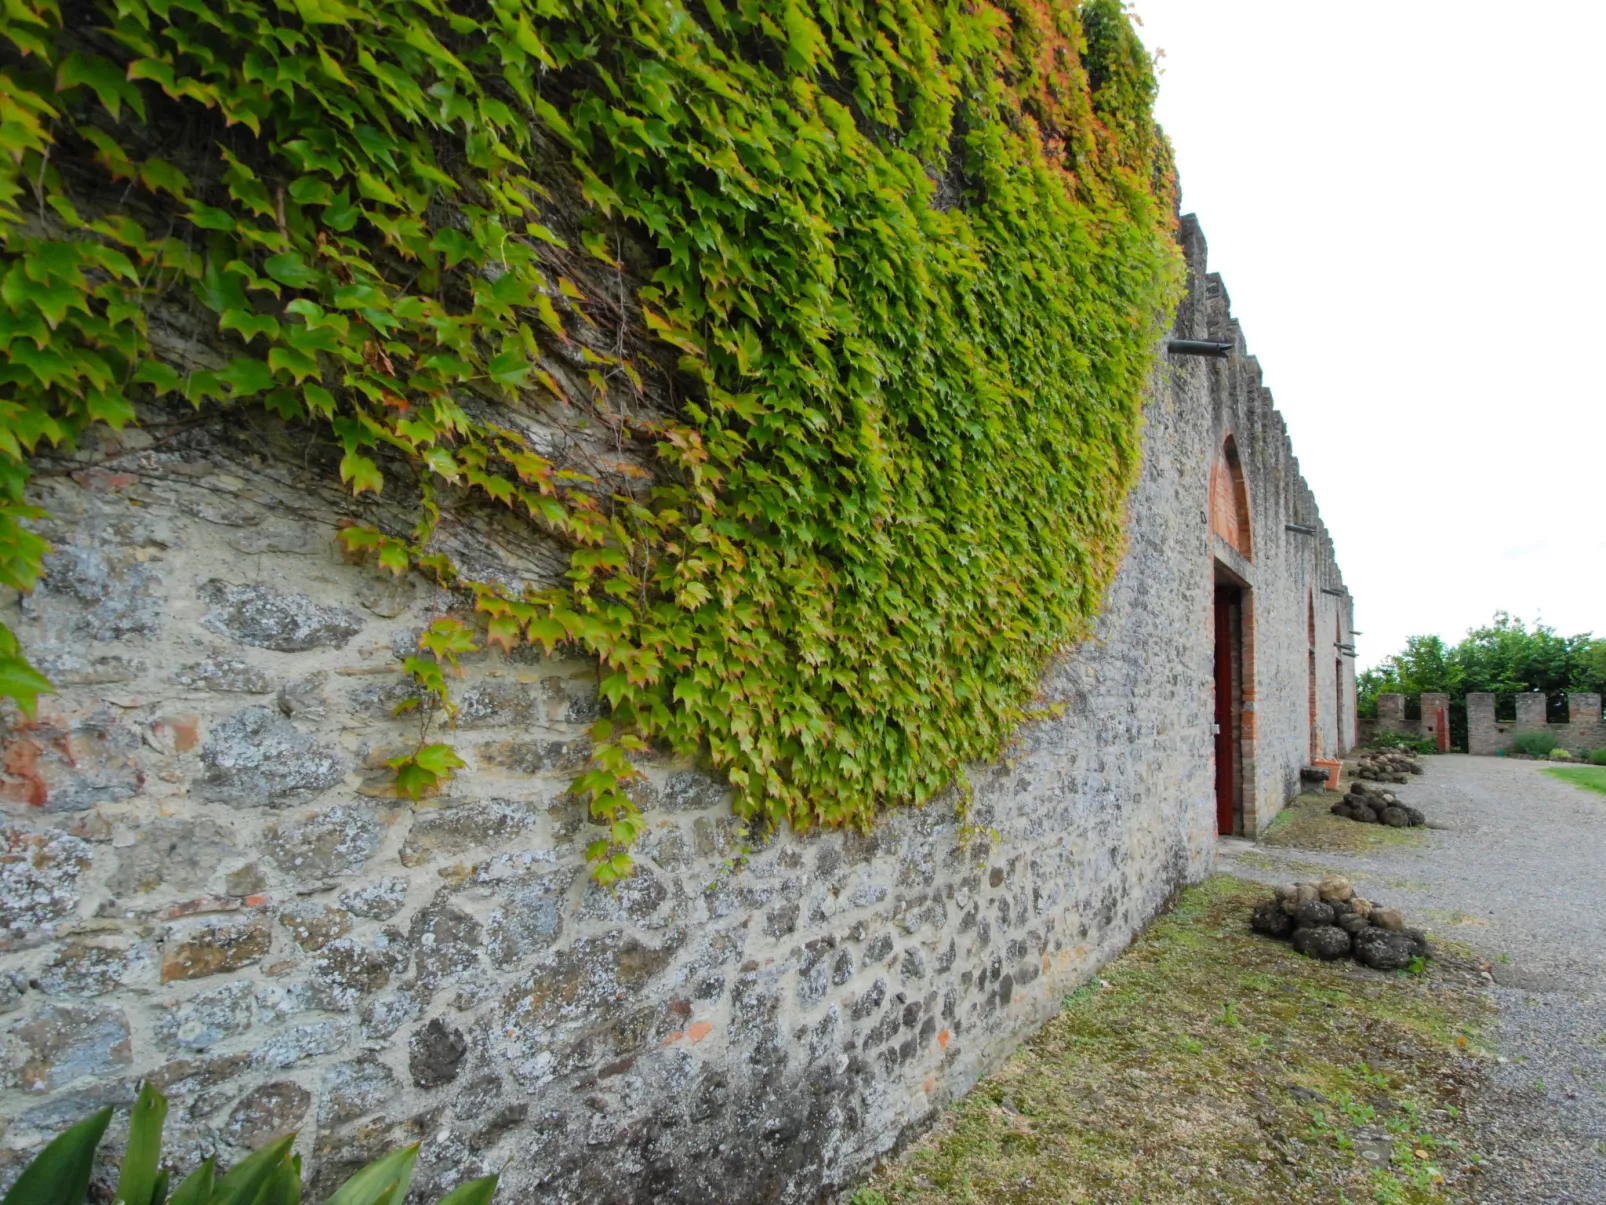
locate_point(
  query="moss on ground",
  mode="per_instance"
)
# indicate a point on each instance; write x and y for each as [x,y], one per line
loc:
[1308,824]
[1211,1065]
[1590,778]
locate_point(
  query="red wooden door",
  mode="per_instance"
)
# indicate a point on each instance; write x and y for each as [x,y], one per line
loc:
[1226,748]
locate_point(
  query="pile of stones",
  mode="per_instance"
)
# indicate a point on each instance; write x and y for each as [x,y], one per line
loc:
[1327,920]
[1373,805]
[1388,765]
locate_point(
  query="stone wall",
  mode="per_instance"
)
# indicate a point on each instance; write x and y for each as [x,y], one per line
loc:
[1487,735]
[1391,717]
[206,879]
[1299,613]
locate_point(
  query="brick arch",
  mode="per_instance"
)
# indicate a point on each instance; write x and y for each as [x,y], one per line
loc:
[1229,498]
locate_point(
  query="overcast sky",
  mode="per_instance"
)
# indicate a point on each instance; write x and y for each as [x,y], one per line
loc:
[1404,200]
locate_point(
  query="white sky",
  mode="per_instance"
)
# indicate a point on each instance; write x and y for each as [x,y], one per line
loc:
[1404,200]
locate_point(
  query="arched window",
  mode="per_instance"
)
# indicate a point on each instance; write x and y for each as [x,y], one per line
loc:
[1229,498]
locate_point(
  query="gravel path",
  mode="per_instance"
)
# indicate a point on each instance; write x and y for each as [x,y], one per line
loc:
[1513,866]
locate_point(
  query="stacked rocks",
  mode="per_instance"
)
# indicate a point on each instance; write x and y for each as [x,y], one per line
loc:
[1388,765]
[1373,805]
[1327,920]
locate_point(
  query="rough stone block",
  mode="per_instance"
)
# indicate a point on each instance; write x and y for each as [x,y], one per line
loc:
[529,916]
[69,765]
[85,968]
[257,758]
[181,854]
[196,949]
[435,1053]
[202,1021]
[446,832]
[266,1113]
[39,878]
[355,1089]
[336,841]
[60,1043]
[225,675]
[267,618]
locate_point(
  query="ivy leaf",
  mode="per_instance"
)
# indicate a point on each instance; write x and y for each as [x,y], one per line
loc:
[440,760]
[412,779]
[454,244]
[358,296]
[361,473]
[153,69]
[319,400]
[504,630]
[510,368]
[393,556]
[159,175]
[311,190]
[326,12]
[110,154]
[158,376]
[425,770]
[19,681]
[246,376]
[447,637]
[249,325]
[297,363]
[105,78]
[371,188]
[112,260]
[208,217]
[290,269]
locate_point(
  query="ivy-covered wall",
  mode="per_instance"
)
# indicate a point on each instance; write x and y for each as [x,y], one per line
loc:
[209,878]
[614,587]
[850,306]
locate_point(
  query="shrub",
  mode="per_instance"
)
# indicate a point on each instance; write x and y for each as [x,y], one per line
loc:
[1390,739]
[59,1174]
[1598,757]
[1558,755]
[1534,744]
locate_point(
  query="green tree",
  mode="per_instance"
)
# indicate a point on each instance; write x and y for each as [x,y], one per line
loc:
[1504,657]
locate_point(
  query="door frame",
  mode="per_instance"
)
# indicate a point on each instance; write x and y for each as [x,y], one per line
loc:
[1233,688]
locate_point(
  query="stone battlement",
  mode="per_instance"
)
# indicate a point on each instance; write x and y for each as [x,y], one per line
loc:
[1582,730]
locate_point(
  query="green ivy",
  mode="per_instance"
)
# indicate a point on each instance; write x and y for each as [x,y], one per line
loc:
[909,262]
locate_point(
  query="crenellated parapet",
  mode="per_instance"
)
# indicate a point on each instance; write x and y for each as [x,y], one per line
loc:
[1487,735]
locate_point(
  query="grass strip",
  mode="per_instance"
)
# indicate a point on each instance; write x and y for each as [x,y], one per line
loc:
[1207,1064]
[1590,778]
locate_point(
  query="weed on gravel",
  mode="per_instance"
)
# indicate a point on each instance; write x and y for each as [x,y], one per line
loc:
[1308,824]
[1211,1065]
